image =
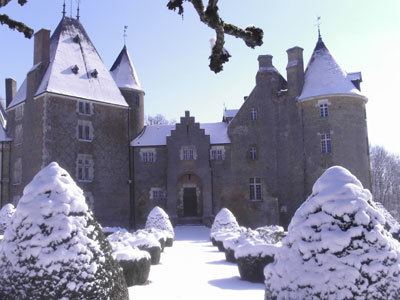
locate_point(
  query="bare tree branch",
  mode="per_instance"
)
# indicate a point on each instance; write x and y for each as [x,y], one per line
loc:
[12,24]
[251,35]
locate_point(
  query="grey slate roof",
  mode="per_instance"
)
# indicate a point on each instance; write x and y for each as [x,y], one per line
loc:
[324,76]
[70,46]
[124,72]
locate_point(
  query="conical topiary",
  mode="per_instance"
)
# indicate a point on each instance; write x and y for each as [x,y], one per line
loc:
[224,220]
[336,247]
[158,219]
[53,247]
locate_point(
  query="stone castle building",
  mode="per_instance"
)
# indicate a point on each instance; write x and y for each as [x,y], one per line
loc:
[260,161]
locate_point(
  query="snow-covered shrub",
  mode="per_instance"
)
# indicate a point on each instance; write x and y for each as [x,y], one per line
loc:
[5,216]
[336,247]
[272,234]
[252,253]
[224,221]
[161,236]
[159,219]
[134,262]
[140,239]
[110,230]
[53,247]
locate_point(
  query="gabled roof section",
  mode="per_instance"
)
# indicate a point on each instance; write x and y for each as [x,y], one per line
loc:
[324,76]
[76,68]
[156,135]
[124,72]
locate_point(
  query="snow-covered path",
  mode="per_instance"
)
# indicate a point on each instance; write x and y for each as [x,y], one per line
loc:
[194,269]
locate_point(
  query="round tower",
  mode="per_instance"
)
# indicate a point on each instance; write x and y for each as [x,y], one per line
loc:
[125,76]
[333,119]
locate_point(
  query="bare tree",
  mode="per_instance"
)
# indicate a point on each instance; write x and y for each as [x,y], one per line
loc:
[251,35]
[158,120]
[12,24]
[385,173]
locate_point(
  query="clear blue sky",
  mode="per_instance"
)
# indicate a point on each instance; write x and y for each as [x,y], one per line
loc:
[171,53]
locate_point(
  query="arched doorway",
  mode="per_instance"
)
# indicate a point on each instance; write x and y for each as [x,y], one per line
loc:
[189,202]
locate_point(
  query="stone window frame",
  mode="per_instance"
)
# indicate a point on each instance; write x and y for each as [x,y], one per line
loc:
[188,153]
[148,155]
[19,112]
[326,143]
[157,193]
[253,114]
[217,153]
[84,108]
[323,110]
[84,131]
[253,152]
[84,167]
[255,189]
[17,171]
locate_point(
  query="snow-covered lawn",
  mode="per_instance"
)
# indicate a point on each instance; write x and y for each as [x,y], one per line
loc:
[194,269]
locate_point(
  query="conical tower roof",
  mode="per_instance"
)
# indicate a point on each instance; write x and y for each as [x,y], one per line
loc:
[75,68]
[324,76]
[124,72]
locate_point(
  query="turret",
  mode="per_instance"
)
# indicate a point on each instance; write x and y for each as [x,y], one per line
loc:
[334,119]
[125,76]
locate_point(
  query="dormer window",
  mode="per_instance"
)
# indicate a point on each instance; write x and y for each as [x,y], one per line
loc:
[94,73]
[75,69]
[76,39]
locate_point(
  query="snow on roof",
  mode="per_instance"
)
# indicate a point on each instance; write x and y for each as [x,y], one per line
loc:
[324,76]
[124,72]
[230,113]
[156,135]
[70,46]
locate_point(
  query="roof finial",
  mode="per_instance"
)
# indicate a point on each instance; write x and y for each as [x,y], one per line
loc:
[319,25]
[77,11]
[125,35]
[63,12]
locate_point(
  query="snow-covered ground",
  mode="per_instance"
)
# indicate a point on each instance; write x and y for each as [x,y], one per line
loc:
[194,269]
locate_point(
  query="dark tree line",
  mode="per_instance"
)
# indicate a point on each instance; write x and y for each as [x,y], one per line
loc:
[209,15]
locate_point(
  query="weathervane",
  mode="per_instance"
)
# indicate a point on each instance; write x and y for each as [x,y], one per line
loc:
[125,35]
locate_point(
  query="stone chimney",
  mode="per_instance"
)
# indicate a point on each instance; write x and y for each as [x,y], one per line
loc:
[41,59]
[11,90]
[41,51]
[265,69]
[295,71]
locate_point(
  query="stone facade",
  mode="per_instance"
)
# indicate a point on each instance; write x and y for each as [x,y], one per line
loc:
[260,161]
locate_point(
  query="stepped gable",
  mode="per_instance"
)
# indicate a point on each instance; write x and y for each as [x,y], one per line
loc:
[75,68]
[324,76]
[124,72]
[156,135]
